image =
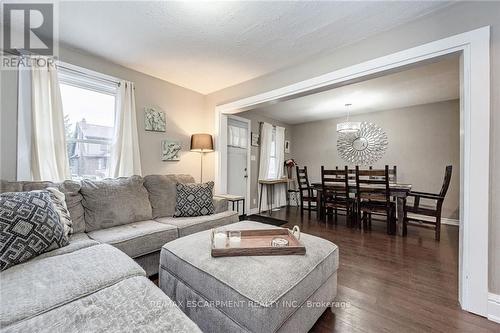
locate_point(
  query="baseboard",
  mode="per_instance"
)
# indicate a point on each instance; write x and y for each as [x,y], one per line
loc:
[494,307]
[254,211]
[444,220]
[450,221]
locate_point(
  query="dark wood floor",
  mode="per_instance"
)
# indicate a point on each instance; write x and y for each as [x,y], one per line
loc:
[390,283]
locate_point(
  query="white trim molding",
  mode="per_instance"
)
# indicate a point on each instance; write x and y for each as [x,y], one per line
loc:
[444,220]
[494,307]
[474,50]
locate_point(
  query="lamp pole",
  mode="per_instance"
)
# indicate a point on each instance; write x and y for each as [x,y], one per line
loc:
[201,170]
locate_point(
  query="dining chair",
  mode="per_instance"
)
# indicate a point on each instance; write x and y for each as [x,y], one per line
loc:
[335,193]
[393,174]
[306,192]
[393,177]
[423,212]
[350,172]
[373,196]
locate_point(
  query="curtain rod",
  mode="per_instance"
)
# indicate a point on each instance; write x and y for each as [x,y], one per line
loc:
[73,69]
[88,73]
[262,122]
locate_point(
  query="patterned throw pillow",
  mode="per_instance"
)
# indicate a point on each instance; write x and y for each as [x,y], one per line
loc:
[194,199]
[29,225]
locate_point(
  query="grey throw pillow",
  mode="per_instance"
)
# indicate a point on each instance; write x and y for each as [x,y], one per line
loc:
[112,202]
[29,225]
[194,199]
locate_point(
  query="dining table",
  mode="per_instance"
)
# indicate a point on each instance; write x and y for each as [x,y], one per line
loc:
[397,190]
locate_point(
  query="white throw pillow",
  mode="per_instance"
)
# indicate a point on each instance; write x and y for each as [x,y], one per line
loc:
[59,200]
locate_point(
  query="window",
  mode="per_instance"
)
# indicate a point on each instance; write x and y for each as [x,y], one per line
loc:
[89,116]
[273,168]
[237,133]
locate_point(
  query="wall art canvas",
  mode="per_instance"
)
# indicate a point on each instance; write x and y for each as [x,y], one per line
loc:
[170,150]
[255,139]
[154,119]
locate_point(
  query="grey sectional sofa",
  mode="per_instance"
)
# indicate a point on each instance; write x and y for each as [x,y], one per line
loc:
[92,285]
[134,214]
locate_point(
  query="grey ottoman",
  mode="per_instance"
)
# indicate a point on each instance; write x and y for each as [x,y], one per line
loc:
[249,294]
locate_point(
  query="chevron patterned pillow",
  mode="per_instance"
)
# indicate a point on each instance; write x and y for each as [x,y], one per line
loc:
[29,226]
[194,199]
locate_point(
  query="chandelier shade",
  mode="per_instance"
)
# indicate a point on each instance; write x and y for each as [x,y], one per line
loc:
[348,127]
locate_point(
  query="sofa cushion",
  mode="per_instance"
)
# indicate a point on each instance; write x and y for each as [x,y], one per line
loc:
[76,242]
[194,199]
[29,225]
[138,238]
[71,190]
[162,192]
[190,225]
[42,285]
[112,202]
[131,305]
[6,186]
[268,288]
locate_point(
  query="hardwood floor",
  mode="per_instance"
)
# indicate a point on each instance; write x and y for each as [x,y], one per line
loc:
[390,283]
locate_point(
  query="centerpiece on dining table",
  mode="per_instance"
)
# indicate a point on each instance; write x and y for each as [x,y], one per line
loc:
[256,242]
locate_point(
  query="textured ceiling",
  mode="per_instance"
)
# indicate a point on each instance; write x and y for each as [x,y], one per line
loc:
[427,83]
[207,46]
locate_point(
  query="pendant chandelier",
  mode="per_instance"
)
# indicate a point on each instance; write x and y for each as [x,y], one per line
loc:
[348,126]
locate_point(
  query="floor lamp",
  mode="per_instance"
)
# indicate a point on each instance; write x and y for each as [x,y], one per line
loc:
[202,143]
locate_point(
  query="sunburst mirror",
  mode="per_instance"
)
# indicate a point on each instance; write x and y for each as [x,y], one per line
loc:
[364,147]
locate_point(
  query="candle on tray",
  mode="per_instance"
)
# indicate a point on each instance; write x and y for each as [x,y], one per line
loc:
[220,239]
[234,238]
[234,241]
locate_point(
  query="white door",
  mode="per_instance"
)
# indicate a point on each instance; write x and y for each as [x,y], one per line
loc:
[237,155]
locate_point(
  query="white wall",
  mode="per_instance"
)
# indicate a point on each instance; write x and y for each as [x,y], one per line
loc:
[184,110]
[423,139]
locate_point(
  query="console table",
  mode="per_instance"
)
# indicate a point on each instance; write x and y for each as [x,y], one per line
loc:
[269,184]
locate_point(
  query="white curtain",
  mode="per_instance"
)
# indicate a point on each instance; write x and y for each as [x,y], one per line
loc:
[270,144]
[266,140]
[237,136]
[40,111]
[280,190]
[125,156]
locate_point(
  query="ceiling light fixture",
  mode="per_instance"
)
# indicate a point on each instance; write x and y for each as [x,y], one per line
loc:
[348,126]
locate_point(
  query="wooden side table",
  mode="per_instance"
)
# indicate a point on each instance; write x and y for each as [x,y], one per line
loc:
[234,199]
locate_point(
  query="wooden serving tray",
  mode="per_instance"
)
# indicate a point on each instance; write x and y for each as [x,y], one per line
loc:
[258,243]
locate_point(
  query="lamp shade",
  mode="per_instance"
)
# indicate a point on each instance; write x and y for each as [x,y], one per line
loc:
[202,143]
